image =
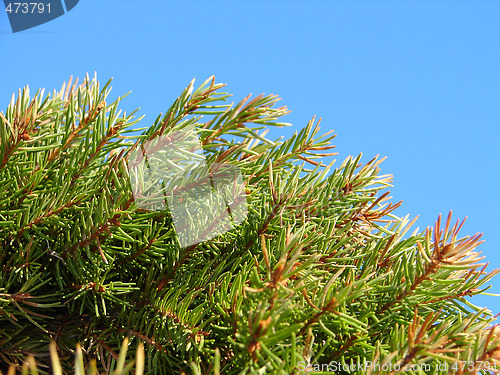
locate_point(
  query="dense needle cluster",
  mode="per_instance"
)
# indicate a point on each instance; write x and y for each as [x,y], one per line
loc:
[321,271]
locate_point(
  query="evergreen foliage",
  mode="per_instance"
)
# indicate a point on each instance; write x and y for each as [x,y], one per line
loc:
[321,272]
[30,367]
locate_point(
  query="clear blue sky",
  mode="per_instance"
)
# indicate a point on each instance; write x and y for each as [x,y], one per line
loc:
[416,81]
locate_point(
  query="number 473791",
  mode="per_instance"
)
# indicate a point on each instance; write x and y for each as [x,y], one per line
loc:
[474,365]
[28,8]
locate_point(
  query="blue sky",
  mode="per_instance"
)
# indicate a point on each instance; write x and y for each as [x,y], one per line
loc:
[416,81]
